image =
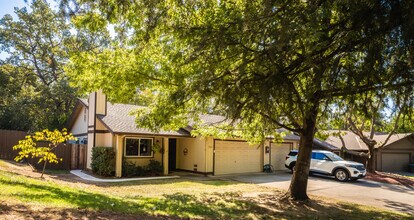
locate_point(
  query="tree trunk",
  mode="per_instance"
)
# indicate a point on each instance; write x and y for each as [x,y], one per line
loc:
[44,167]
[371,160]
[299,183]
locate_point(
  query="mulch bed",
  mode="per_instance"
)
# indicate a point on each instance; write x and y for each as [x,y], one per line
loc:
[390,178]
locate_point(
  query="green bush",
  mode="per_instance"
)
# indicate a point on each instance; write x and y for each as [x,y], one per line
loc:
[129,169]
[103,161]
[154,168]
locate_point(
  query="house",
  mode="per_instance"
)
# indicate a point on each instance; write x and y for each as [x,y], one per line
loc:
[97,122]
[394,156]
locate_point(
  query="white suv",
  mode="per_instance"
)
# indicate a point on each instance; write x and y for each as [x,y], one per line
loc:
[328,163]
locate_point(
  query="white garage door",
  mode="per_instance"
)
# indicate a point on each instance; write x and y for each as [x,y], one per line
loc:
[395,162]
[236,157]
[278,155]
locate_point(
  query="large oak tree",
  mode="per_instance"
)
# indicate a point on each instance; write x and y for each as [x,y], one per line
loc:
[262,64]
[37,44]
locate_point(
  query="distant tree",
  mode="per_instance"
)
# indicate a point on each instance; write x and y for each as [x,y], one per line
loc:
[262,64]
[29,146]
[372,113]
[38,44]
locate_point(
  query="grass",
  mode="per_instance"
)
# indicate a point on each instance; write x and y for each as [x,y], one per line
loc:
[173,198]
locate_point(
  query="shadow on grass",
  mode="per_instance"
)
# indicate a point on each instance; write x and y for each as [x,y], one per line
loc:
[24,211]
[179,204]
[212,205]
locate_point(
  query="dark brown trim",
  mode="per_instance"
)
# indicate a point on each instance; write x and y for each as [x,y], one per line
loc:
[229,140]
[90,126]
[98,131]
[154,135]
[102,131]
[94,123]
[192,171]
[382,150]
[81,134]
[214,157]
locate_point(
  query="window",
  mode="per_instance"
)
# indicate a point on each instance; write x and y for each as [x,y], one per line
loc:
[138,147]
[293,153]
[319,156]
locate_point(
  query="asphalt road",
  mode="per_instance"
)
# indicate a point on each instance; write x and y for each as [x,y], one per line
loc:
[394,197]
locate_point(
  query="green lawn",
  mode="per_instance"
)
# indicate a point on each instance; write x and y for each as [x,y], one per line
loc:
[174,198]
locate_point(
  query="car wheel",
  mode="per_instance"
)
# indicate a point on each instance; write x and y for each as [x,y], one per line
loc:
[341,175]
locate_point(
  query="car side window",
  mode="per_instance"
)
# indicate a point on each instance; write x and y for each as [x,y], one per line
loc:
[319,156]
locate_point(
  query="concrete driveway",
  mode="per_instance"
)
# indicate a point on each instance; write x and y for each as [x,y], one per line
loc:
[394,197]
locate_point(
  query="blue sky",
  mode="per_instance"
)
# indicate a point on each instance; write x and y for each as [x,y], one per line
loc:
[7,6]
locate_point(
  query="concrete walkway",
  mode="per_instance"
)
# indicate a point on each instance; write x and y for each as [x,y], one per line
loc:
[88,177]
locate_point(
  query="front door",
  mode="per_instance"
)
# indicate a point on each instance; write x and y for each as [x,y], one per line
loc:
[172,154]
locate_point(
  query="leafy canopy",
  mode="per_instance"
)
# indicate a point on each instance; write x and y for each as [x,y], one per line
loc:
[263,65]
[38,43]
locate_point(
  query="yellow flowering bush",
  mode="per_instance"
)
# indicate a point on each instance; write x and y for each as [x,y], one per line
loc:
[29,146]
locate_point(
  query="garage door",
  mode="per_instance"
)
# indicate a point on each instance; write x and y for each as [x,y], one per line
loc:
[236,157]
[395,162]
[278,155]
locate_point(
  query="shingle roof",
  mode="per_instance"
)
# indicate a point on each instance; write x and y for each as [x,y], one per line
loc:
[119,120]
[353,142]
[324,144]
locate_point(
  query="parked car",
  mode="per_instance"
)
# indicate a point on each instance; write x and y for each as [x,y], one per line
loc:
[328,163]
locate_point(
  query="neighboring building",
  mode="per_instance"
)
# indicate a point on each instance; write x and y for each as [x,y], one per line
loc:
[100,123]
[392,157]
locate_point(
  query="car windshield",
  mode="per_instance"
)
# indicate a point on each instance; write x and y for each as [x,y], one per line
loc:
[334,157]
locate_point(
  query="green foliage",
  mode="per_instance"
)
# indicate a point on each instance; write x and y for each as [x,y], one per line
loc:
[262,65]
[38,43]
[103,161]
[29,146]
[154,168]
[130,169]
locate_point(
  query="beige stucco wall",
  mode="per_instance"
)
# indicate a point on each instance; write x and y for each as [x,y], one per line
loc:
[81,123]
[104,139]
[89,151]
[100,126]
[195,159]
[100,103]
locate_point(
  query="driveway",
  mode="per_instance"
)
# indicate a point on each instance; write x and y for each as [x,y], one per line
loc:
[395,197]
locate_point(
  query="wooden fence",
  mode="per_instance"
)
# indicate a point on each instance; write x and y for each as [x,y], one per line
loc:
[73,155]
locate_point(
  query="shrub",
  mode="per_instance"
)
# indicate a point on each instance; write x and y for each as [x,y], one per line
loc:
[154,168]
[103,161]
[129,169]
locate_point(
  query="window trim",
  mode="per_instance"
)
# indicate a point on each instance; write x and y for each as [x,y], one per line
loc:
[139,143]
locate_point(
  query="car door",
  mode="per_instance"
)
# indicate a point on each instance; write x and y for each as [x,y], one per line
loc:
[313,162]
[322,163]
